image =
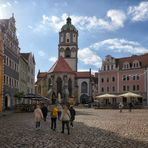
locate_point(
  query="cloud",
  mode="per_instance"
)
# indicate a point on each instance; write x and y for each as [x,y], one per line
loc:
[30,27]
[53,59]
[114,20]
[120,46]
[140,12]
[87,56]
[5,5]
[41,53]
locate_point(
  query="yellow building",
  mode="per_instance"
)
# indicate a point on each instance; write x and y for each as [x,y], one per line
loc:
[1,72]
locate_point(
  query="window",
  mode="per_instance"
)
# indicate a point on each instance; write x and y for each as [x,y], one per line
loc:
[113,79]
[137,77]
[84,87]
[127,88]
[67,53]
[127,77]
[124,88]
[113,88]
[134,88]
[107,79]
[70,87]
[102,89]
[124,77]
[102,80]
[67,40]
[138,87]
[107,89]
[134,77]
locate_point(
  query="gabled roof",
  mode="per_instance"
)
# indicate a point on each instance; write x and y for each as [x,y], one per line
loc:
[25,55]
[61,66]
[42,74]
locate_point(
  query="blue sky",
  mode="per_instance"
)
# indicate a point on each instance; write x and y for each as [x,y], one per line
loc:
[115,27]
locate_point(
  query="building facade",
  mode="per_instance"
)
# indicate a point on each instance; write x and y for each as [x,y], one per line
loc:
[11,62]
[63,78]
[124,74]
[30,73]
[1,70]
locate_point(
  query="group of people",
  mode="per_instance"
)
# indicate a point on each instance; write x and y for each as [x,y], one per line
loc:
[130,105]
[59,112]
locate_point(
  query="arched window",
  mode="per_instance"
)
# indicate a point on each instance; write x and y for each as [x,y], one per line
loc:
[67,53]
[59,85]
[70,87]
[49,83]
[84,87]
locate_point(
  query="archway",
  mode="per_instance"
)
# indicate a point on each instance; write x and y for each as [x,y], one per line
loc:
[7,102]
[84,99]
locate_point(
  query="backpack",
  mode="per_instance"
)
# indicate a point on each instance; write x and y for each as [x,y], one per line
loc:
[54,112]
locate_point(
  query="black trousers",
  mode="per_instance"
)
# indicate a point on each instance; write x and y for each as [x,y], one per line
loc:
[53,123]
[37,124]
[67,125]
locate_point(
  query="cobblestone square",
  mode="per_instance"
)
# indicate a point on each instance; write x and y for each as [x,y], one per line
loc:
[93,128]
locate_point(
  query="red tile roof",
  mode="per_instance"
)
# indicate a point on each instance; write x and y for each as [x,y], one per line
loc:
[61,66]
[42,74]
[141,58]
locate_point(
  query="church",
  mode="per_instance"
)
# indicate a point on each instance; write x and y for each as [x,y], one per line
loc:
[62,80]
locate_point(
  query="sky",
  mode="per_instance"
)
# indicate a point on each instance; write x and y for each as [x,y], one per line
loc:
[106,27]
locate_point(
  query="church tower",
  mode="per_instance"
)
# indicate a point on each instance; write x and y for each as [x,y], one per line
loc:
[68,44]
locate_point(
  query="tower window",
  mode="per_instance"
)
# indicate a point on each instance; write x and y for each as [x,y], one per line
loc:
[67,53]
[67,40]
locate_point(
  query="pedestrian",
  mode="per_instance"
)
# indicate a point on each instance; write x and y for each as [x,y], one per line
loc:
[121,106]
[38,116]
[59,111]
[44,111]
[130,106]
[65,118]
[72,115]
[54,115]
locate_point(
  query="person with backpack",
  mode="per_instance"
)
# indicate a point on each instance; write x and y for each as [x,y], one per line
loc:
[65,118]
[72,115]
[54,115]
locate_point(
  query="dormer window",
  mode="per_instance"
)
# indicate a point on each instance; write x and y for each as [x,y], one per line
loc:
[136,64]
[126,65]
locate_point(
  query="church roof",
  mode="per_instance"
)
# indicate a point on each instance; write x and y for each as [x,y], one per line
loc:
[61,66]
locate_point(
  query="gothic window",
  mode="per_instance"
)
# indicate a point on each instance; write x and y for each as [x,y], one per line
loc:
[49,83]
[84,87]
[59,85]
[67,53]
[70,87]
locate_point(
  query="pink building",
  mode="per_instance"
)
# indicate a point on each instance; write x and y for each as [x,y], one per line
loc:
[121,75]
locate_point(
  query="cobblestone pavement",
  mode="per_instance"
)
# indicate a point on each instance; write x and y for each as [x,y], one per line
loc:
[94,128]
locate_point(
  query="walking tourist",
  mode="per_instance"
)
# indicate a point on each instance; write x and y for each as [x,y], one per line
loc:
[65,118]
[130,106]
[121,106]
[38,116]
[44,111]
[54,115]
[72,115]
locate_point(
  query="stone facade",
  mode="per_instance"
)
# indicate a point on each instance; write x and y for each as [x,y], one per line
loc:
[63,79]
[11,62]
[30,71]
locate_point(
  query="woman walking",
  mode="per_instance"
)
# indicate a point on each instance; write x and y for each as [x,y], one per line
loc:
[38,116]
[65,117]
